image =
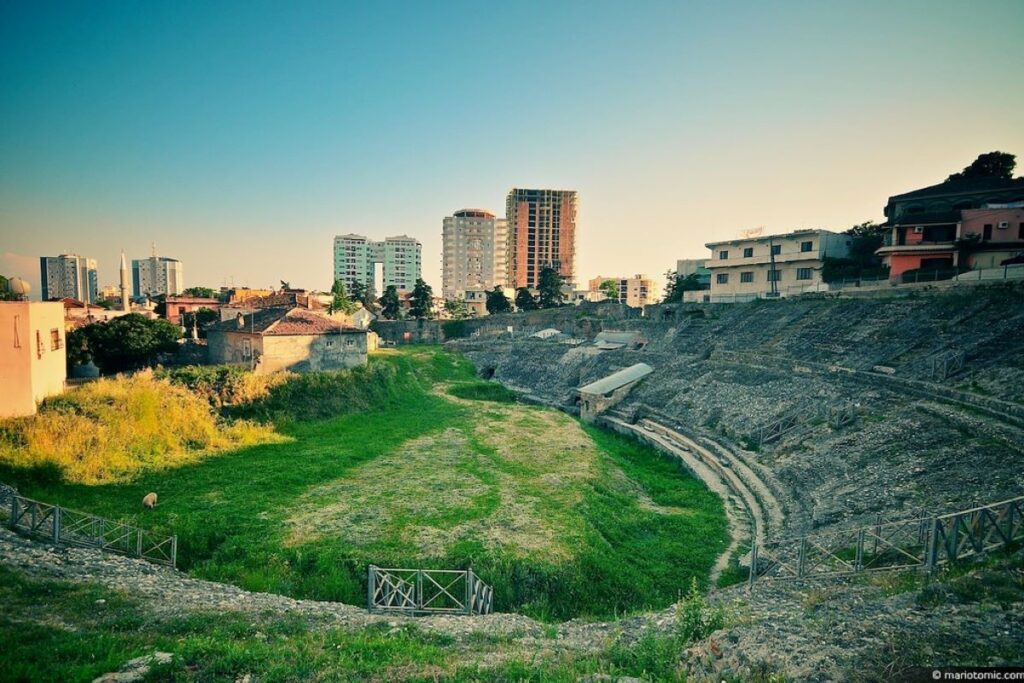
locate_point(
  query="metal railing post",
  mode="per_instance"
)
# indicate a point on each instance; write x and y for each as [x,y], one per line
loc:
[753,565]
[859,562]
[14,511]
[56,525]
[468,607]
[419,590]
[138,543]
[370,587]
[802,556]
[174,551]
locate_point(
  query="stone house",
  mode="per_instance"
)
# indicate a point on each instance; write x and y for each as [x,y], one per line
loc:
[286,338]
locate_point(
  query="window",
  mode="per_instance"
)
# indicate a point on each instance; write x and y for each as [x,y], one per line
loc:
[1020,232]
[748,252]
[776,249]
[329,343]
[806,246]
[987,232]
[350,342]
[39,344]
[246,348]
[747,277]
[804,273]
[55,343]
[774,275]
[722,278]
[723,255]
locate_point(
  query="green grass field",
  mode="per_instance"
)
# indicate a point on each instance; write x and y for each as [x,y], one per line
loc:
[422,464]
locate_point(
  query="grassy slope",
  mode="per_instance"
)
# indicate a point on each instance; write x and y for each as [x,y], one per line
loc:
[231,511]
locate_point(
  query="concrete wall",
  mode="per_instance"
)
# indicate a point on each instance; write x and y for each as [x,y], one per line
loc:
[33,354]
[399,332]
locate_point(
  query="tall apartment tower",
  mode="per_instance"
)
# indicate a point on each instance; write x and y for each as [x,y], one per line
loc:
[475,253]
[541,232]
[157,275]
[356,258]
[69,276]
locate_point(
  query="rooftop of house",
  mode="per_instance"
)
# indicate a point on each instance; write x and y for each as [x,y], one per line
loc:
[767,238]
[962,186]
[617,380]
[284,321]
[928,218]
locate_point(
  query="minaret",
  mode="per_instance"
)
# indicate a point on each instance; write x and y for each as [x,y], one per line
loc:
[125,306]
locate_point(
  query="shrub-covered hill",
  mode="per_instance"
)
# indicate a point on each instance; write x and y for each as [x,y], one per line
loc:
[412,461]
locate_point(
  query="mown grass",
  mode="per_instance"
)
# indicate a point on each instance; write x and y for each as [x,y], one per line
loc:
[231,511]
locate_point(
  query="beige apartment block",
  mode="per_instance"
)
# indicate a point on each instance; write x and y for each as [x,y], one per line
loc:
[636,291]
[771,265]
[475,253]
[32,354]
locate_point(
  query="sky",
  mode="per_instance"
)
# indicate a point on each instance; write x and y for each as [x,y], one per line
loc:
[240,137]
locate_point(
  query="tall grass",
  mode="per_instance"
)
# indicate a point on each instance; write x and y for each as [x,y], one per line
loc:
[114,428]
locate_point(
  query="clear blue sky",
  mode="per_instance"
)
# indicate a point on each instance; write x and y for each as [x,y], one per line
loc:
[240,137]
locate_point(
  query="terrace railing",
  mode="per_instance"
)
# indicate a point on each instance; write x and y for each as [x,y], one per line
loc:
[427,591]
[61,525]
[924,543]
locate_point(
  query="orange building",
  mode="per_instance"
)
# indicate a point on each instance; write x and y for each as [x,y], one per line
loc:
[541,232]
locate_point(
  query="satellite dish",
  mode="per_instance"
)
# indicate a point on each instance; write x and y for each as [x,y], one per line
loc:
[752,232]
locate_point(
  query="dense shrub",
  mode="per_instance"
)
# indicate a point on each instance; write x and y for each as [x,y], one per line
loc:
[112,429]
[223,385]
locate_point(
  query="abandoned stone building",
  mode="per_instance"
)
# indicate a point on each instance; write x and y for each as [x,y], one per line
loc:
[287,338]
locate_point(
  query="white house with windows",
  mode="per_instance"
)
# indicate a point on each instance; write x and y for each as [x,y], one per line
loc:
[772,265]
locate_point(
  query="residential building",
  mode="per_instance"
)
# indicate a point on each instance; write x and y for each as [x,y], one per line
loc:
[541,232]
[234,295]
[69,276]
[635,292]
[78,314]
[32,354]
[954,240]
[952,196]
[767,265]
[157,275]
[475,252]
[287,338]
[177,306]
[356,258]
[697,267]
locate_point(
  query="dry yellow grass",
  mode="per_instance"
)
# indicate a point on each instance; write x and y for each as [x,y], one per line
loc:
[114,428]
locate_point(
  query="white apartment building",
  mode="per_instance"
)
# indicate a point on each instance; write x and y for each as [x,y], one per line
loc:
[772,265]
[69,276]
[356,258]
[475,252]
[157,275]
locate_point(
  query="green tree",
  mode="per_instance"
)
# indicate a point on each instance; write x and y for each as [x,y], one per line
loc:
[677,284]
[990,165]
[340,300]
[497,302]
[128,342]
[549,288]
[457,309]
[610,289]
[361,293]
[201,292]
[861,260]
[422,300]
[525,301]
[389,304]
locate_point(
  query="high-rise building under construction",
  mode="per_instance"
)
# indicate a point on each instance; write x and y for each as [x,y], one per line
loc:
[541,232]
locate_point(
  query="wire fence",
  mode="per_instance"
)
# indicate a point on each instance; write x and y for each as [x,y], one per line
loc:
[925,543]
[63,526]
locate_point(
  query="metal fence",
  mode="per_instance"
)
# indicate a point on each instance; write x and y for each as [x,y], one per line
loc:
[427,591]
[922,543]
[61,525]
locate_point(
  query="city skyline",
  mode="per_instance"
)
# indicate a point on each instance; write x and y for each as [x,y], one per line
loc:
[244,147]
